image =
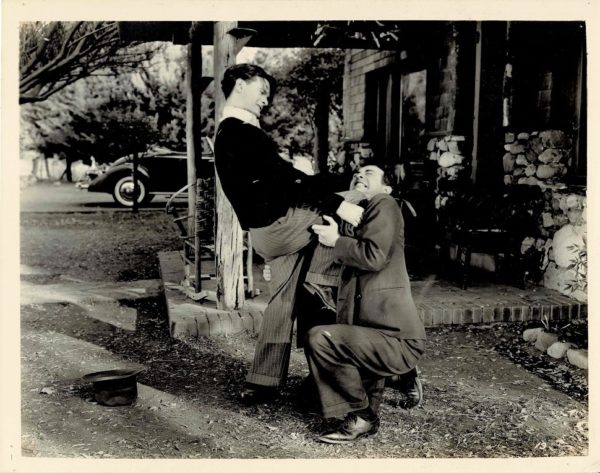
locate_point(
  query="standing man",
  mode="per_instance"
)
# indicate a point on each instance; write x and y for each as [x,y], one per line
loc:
[379,333]
[277,202]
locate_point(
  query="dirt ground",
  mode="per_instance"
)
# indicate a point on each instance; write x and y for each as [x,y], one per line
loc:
[478,402]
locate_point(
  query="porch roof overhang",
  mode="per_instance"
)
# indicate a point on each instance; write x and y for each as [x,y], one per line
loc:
[289,34]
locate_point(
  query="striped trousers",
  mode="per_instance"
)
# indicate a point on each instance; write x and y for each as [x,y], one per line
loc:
[294,256]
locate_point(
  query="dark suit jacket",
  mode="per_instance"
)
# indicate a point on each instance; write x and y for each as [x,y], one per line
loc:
[260,185]
[374,288]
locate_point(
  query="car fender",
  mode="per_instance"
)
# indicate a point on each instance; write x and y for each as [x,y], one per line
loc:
[106,181]
[127,168]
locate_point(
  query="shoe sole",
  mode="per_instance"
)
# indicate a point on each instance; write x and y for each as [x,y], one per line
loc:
[362,436]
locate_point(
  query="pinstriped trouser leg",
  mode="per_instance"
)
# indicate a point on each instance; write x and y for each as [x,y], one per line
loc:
[323,269]
[290,234]
[271,356]
[294,256]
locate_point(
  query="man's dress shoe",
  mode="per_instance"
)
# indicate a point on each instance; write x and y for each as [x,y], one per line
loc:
[410,386]
[351,429]
[326,294]
[413,392]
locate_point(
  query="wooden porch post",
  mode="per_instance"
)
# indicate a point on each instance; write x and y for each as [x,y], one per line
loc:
[490,132]
[193,141]
[321,142]
[476,99]
[228,234]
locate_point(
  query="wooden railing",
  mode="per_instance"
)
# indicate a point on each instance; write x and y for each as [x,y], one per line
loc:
[191,284]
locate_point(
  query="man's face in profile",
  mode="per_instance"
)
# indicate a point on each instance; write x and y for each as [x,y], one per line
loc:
[254,94]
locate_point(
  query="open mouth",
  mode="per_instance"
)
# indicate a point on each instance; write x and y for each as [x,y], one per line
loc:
[360,186]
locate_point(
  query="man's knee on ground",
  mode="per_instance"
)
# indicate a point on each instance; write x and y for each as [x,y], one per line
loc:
[318,336]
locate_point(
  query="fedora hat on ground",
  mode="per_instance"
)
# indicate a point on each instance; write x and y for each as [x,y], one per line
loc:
[114,387]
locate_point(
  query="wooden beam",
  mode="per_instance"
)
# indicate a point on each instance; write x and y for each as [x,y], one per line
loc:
[490,135]
[229,236]
[476,100]
[579,118]
[321,123]
[242,36]
[507,86]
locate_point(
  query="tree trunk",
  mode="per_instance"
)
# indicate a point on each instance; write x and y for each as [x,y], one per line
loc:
[68,171]
[321,143]
[47,167]
[229,236]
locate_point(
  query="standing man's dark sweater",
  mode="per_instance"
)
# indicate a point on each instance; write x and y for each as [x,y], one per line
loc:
[260,185]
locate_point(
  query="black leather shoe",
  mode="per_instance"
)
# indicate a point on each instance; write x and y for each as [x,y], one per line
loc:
[351,429]
[410,386]
[413,392]
[256,395]
[393,382]
[325,293]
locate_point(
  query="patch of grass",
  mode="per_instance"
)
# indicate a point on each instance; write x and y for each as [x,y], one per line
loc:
[108,246]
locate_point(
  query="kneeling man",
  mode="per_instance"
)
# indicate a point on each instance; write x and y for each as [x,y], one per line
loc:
[379,333]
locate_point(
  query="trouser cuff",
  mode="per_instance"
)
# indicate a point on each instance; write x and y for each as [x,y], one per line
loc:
[263,380]
[340,410]
[323,279]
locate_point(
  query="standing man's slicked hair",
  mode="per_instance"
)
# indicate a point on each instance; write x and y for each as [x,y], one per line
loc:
[245,72]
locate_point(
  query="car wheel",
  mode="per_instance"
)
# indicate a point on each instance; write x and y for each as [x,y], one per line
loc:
[123,192]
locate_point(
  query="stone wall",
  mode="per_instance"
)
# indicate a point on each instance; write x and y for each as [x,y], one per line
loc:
[536,158]
[565,255]
[543,159]
[453,165]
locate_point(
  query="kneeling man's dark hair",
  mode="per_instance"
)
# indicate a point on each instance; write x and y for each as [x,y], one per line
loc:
[388,178]
[245,72]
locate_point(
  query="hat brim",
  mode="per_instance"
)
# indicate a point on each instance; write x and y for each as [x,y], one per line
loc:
[111,375]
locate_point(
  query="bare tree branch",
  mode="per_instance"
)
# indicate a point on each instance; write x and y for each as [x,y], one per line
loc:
[69,37]
[56,54]
[40,48]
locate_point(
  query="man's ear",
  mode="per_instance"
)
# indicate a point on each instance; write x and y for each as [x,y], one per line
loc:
[240,84]
[387,189]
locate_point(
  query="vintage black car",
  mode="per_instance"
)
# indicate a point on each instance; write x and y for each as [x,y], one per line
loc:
[160,172]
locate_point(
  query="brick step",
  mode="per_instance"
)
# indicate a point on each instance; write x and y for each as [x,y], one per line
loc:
[438,302]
